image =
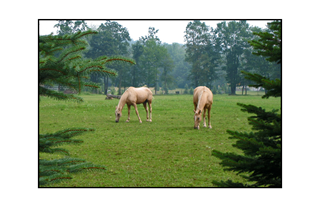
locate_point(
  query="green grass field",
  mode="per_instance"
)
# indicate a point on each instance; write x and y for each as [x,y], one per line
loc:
[167,152]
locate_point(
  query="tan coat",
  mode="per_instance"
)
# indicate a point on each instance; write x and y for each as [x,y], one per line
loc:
[134,96]
[202,100]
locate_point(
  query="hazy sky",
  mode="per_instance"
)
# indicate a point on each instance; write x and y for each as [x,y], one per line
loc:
[170,31]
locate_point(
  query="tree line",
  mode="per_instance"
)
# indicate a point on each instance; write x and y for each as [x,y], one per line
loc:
[211,57]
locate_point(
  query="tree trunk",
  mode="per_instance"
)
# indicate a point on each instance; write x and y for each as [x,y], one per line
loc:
[119,91]
[105,84]
[233,89]
[134,77]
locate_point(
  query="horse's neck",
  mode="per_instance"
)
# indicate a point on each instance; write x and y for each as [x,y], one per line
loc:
[201,100]
[122,101]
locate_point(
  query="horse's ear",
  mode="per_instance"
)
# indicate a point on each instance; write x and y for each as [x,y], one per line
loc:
[194,111]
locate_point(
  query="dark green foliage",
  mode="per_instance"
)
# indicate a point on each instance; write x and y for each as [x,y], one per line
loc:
[181,67]
[113,39]
[269,42]
[214,90]
[262,150]
[202,52]
[56,170]
[68,68]
[154,63]
[273,87]
[69,27]
[261,162]
[47,141]
[232,38]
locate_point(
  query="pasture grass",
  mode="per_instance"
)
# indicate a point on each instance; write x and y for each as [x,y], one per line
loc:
[167,152]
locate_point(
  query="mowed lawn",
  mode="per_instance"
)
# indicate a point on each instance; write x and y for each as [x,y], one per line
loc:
[167,152]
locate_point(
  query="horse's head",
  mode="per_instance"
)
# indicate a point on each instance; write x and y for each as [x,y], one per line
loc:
[118,114]
[197,118]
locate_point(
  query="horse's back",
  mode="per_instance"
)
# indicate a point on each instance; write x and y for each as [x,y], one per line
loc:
[140,95]
[199,91]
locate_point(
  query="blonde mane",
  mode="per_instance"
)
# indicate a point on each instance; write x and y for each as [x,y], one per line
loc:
[199,99]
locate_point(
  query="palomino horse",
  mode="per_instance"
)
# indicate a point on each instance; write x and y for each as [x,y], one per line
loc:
[202,100]
[134,96]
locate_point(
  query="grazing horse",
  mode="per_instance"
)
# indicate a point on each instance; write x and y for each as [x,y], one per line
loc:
[134,96]
[202,100]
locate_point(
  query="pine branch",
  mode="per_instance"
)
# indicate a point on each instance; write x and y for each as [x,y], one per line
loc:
[52,69]
[56,170]
[56,95]
[273,87]
[71,51]
[121,59]
[51,171]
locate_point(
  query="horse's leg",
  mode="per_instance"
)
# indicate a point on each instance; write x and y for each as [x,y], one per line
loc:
[128,113]
[209,121]
[136,108]
[150,110]
[146,108]
[204,117]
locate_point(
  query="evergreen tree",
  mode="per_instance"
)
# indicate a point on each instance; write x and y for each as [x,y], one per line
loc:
[269,43]
[262,159]
[61,62]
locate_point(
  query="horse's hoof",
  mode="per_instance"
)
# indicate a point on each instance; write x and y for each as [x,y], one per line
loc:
[127,121]
[210,127]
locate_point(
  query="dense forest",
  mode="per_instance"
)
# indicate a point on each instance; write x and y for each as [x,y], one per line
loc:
[210,57]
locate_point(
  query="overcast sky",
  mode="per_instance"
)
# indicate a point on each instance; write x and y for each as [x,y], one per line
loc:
[170,31]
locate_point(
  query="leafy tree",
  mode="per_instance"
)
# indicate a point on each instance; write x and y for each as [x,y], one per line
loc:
[261,159]
[70,27]
[61,62]
[150,69]
[201,52]
[153,60]
[112,40]
[181,68]
[232,37]
[151,36]
[137,51]
[167,67]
